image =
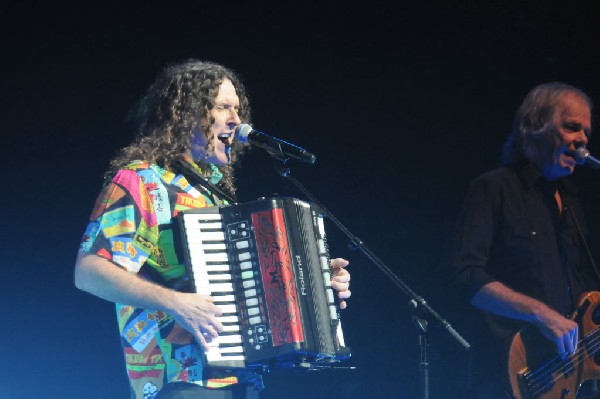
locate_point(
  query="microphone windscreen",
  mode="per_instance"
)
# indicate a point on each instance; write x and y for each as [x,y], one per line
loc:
[242,132]
[581,154]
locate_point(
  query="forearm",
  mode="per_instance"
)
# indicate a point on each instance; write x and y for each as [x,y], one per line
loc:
[195,313]
[497,298]
[102,278]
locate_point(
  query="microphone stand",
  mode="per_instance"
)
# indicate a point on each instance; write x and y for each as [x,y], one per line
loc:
[423,312]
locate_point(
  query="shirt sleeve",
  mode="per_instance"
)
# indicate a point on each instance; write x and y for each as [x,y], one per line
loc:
[123,226]
[474,237]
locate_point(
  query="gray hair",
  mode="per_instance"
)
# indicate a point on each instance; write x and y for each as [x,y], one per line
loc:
[534,137]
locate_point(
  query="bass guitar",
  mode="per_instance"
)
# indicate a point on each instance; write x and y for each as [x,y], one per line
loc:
[535,370]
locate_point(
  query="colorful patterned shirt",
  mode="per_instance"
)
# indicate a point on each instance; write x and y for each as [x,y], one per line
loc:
[132,226]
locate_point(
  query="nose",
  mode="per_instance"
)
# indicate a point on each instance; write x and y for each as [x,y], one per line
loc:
[581,140]
[234,118]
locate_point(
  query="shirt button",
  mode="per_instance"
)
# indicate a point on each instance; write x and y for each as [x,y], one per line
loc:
[533,233]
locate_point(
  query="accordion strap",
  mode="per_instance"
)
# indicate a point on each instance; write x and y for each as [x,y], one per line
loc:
[194,177]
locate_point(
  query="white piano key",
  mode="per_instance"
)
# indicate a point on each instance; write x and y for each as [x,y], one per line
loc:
[224,298]
[232,349]
[214,246]
[216,257]
[223,267]
[194,218]
[203,291]
[231,328]
[196,249]
[221,287]
[197,259]
[199,276]
[201,279]
[228,319]
[216,357]
[213,236]
[219,277]
[193,235]
[214,346]
[228,339]
[228,308]
[211,225]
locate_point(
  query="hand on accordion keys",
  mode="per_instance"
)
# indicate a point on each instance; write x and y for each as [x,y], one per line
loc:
[340,280]
[198,314]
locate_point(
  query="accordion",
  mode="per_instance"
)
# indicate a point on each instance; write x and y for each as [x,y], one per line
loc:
[266,264]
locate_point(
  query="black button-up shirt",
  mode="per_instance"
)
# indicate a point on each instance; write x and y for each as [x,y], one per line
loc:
[511,230]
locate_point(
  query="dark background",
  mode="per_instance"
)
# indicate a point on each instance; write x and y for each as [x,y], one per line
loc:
[402,104]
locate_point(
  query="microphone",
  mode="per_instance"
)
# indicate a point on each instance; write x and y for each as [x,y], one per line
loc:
[246,134]
[582,156]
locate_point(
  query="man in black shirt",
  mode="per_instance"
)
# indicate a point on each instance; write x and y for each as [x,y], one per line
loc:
[521,255]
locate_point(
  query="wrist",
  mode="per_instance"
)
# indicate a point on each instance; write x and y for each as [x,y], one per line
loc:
[538,312]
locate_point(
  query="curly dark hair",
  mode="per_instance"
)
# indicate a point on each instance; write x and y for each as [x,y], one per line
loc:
[534,137]
[181,96]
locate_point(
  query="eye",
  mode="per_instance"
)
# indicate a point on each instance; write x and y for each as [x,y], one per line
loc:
[572,126]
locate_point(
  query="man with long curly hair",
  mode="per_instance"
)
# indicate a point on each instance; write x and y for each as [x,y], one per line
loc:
[521,254]
[187,123]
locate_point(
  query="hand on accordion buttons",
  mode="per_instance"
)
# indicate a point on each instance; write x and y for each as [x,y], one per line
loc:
[340,280]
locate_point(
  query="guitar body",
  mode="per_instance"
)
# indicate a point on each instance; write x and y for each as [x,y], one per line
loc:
[536,372]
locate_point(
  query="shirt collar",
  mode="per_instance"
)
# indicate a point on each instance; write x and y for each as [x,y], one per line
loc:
[532,177]
[215,174]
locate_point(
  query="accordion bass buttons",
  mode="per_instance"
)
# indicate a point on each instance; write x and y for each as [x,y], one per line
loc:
[252,302]
[330,298]
[247,274]
[324,263]
[242,244]
[248,283]
[245,265]
[321,246]
[333,313]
